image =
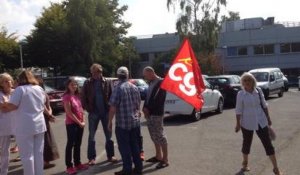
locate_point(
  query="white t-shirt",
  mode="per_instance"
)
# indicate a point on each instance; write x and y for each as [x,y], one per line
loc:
[249,107]
[30,100]
[6,120]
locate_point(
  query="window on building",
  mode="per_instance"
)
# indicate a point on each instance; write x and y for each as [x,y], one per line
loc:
[264,49]
[259,50]
[242,51]
[295,47]
[144,57]
[269,49]
[232,51]
[285,48]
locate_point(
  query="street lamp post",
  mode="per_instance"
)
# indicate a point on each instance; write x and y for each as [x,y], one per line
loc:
[21,56]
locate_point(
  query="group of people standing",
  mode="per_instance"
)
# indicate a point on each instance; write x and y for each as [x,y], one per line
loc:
[25,112]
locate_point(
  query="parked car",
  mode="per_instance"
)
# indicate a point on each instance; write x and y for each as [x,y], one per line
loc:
[142,85]
[55,97]
[286,83]
[228,85]
[213,101]
[59,82]
[270,80]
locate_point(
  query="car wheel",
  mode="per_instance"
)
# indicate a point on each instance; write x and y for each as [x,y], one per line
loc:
[196,115]
[220,106]
[280,94]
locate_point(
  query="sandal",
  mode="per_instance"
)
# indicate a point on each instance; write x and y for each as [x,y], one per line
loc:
[245,166]
[162,165]
[153,160]
[277,172]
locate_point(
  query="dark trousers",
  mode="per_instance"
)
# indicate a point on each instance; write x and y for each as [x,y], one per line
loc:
[263,134]
[128,142]
[94,120]
[74,136]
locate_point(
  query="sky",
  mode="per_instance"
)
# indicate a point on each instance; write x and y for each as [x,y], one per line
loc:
[147,16]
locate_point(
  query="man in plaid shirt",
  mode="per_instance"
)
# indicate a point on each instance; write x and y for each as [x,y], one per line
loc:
[125,104]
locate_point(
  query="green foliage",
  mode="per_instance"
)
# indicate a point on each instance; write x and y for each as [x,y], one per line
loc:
[9,57]
[76,33]
[199,21]
[162,63]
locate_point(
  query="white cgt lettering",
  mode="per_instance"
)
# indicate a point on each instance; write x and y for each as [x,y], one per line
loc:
[186,87]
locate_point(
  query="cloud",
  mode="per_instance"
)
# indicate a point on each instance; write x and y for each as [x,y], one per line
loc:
[18,16]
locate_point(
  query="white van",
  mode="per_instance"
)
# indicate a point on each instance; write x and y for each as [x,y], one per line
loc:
[270,80]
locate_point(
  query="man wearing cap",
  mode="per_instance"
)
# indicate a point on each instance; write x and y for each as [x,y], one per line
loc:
[125,104]
[96,92]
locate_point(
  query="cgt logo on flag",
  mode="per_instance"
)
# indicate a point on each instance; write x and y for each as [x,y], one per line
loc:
[184,77]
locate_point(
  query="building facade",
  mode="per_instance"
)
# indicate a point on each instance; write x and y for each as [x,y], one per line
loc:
[257,43]
[152,46]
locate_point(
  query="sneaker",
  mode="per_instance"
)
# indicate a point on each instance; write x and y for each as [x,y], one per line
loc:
[112,160]
[92,162]
[142,155]
[71,170]
[82,167]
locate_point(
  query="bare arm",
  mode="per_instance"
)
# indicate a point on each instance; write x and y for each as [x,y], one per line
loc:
[48,110]
[69,112]
[238,123]
[7,107]
[111,114]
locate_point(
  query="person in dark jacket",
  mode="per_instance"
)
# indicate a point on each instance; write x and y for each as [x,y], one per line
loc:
[154,111]
[95,95]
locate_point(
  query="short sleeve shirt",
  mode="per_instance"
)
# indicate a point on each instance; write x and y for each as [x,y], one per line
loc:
[7,120]
[76,107]
[126,98]
[248,105]
[30,101]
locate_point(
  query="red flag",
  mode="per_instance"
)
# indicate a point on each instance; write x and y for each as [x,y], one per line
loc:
[184,78]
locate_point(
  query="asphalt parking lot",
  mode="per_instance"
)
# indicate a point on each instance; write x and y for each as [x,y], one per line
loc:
[206,147]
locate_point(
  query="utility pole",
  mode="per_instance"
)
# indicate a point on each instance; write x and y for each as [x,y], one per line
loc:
[21,56]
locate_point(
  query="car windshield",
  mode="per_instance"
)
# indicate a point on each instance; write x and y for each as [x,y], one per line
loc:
[261,76]
[218,80]
[138,82]
[48,88]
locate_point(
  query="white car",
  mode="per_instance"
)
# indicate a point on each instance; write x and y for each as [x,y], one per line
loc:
[213,101]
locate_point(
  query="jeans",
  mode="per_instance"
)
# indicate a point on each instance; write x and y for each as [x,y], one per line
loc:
[93,125]
[128,142]
[74,136]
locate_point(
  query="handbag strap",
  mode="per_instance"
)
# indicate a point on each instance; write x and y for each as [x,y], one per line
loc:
[260,101]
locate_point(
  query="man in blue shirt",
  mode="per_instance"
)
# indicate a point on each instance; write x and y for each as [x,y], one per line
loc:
[125,104]
[96,92]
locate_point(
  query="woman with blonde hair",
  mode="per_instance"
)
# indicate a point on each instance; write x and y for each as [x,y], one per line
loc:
[6,122]
[252,115]
[28,100]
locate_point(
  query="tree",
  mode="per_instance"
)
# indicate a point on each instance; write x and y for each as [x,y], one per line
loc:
[232,17]
[8,50]
[71,35]
[97,31]
[48,45]
[199,20]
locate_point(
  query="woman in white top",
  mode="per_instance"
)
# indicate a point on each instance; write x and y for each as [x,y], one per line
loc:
[28,100]
[252,115]
[6,122]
